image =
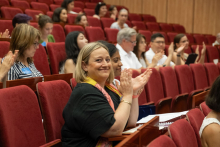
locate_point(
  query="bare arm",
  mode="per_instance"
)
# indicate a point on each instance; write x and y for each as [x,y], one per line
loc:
[211,134]
[202,58]
[69,67]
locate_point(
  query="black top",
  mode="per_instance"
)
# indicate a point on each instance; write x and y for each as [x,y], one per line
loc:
[87,116]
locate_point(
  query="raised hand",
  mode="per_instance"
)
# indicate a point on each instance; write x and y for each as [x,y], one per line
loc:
[5,34]
[180,49]
[170,50]
[157,57]
[203,49]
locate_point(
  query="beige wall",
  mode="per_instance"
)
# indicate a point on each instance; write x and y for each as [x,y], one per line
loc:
[197,16]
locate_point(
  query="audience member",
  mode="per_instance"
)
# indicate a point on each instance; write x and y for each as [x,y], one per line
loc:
[60,15]
[158,45]
[181,43]
[217,42]
[94,76]
[5,34]
[140,49]
[69,5]
[126,39]
[100,10]
[81,19]
[45,27]
[210,128]
[74,42]
[24,38]
[21,18]
[113,12]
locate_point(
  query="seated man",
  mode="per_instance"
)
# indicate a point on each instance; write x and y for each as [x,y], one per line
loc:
[157,45]
[217,42]
[126,39]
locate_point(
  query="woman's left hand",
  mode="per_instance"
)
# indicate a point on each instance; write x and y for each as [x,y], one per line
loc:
[140,81]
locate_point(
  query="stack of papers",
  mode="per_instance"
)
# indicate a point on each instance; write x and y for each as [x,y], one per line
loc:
[131,130]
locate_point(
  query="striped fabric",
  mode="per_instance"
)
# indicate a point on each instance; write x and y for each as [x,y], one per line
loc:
[16,71]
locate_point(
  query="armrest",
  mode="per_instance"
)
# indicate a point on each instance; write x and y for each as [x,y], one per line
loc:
[149,103]
[180,102]
[55,143]
[164,105]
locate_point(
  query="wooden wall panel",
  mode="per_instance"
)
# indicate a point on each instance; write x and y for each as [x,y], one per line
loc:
[112,2]
[133,6]
[157,8]
[217,22]
[181,12]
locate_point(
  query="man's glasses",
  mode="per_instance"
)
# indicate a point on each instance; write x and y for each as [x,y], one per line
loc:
[133,42]
[159,42]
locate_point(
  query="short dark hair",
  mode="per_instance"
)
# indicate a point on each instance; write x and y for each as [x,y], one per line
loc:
[111,8]
[56,14]
[213,98]
[20,18]
[98,6]
[154,36]
[111,47]
[136,48]
[177,39]
[65,3]
[43,20]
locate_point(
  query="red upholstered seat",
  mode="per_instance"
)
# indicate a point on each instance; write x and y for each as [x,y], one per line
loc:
[96,1]
[149,18]
[188,50]
[111,34]
[53,97]
[147,34]
[164,34]
[200,49]
[200,39]
[212,72]
[89,12]
[166,27]
[152,26]
[94,22]
[179,28]
[162,141]
[71,18]
[33,13]
[40,6]
[121,7]
[183,134]
[50,14]
[190,38]
[6,24]
[171,36]
[41,61]
[58,2]
[53,7]
[107,22]
[199,76]
[90,5]
[48,2]
[9,12]
[129,23]
[20,4]
[212,53]
[94,34]
[77,9]
[4,48]
[57,54]
[4,3]
[195,118]
[139,24]
[79,4]
[58,33]
[134,17]
[171,89]
[211,39]
[73,82]
[205,109]
[71,28]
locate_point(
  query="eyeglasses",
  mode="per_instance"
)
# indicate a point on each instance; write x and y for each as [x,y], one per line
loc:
[36,44]
[133,42]
[159,42]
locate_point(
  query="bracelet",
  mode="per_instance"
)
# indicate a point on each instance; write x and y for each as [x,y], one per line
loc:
[135,96]
[178,55]
[126,102]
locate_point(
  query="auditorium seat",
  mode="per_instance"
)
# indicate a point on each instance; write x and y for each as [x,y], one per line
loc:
[111,35]
[34,24]
[48,2]
[79,4]
[4,3]
[205,109]
[54,77]
[121,7]
[58,2]
[212,72]
[179,28]
[155,93]
[186,83]
[171,89]
[94,22]
[50,14]
[211,39]
[40,6]
[6,24]
[129,23]
[134,17]
[41,61]
[139,24]
[53,97]
[190,38]
[199,39]
[162,141]
[90,5]
[53,7]
[147,34]
[4,48]
[9,12]
[73,83]
[77,9]
[58,33]
[107,22]
[212,53]
[20,4]
[94,34]
[199,76]
[149,18]
[96,1]
[171,36]
[183,134]
[166,27]
[152,26]
[89,12]
[33,13]
[71,18]
[57,54]
[188,50]
[164,34]
[71,28]
[200,49]
[195,118]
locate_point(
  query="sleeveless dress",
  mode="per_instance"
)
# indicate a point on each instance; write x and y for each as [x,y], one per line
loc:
[206,122]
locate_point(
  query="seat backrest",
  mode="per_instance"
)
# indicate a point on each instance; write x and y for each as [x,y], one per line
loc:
[4,48]
[205,109]
[57,54]
[41,61]
[183,134]
[171,36]
[212,72]
[40,6]
[212,53]
[94,22]
[71,28]
[94,34]
[53,97]
[211,39]
[21,121]
[111,34]
[48,2]
[50,14]
[71,18]
[77,9]
[4,3]
[195,118]
[190,38]
[20,4]
[199,76]
[34,24]
[149,18]
[58,33]
[54,6]
[139,24]
[152,26]
[188,50]
[166,27]
[6,24]
[89,12]
[79,4]
[33,13]
[179,28]
[90,5]
[107,22]
[200,49]
[9,12]
[58,2]
[147,34]
[73,83]
[134,17]
[162,141]
[200,39]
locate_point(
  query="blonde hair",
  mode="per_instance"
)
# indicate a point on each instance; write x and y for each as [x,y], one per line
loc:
[23,36]
[84,55]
